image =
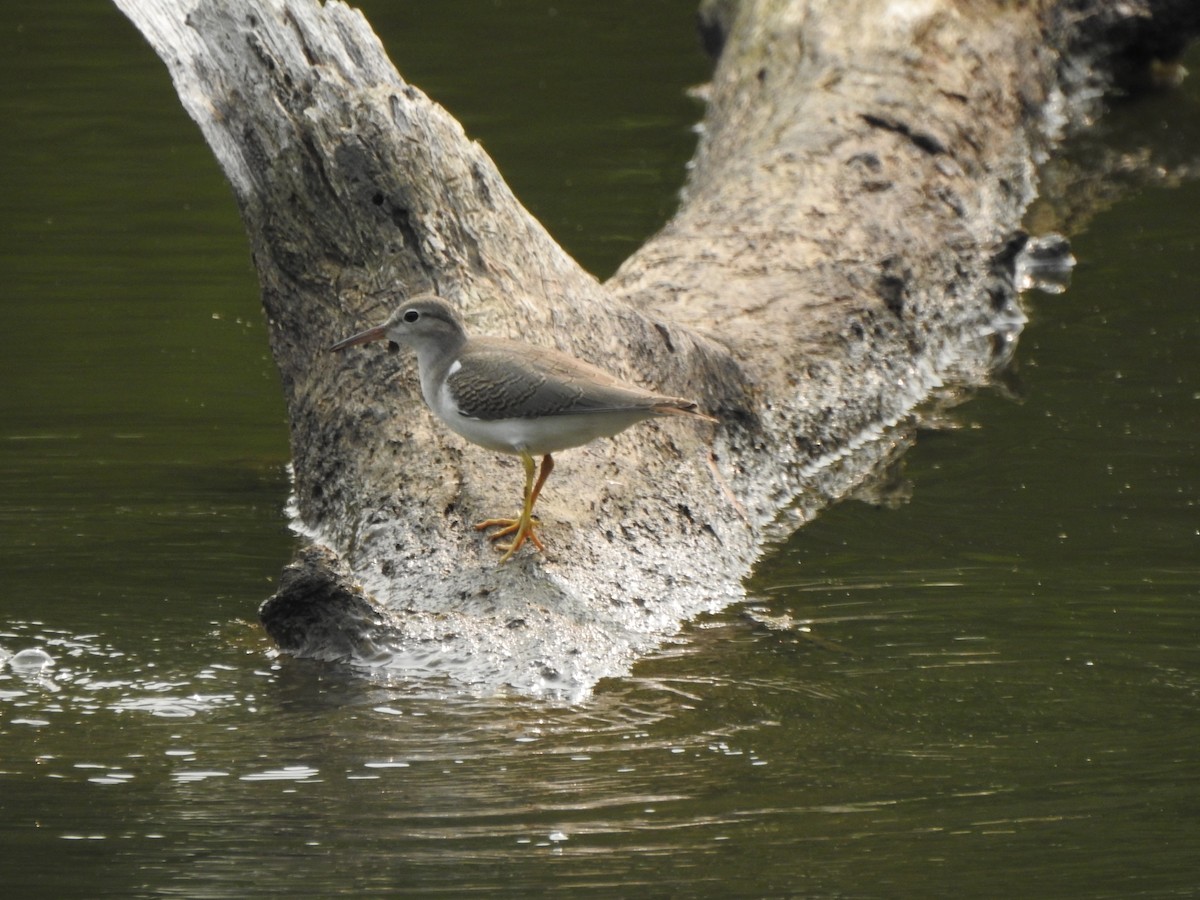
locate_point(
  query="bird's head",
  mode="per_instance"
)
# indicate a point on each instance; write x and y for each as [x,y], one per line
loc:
[426,321]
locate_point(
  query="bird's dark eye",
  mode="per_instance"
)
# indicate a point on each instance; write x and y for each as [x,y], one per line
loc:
[411,316]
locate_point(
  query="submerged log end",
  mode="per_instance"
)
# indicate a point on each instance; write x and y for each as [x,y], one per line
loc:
[318,612]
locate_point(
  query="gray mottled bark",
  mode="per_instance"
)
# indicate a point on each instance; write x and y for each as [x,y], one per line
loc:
[844,247]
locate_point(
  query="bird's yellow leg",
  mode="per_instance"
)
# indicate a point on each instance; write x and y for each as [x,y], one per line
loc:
[543,474]
[523,527]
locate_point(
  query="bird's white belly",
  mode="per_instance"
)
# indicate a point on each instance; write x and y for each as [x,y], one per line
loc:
[539,435]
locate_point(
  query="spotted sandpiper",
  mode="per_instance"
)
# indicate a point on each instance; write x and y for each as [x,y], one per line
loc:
[513,397]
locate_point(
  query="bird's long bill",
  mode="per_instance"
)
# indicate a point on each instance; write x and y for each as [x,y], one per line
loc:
[378,333]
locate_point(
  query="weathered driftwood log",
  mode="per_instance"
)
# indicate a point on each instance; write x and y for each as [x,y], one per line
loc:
[844,246]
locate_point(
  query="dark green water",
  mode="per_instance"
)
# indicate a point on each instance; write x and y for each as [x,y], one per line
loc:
[992,689]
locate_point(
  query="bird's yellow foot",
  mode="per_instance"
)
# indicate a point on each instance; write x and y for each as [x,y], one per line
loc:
[522,528]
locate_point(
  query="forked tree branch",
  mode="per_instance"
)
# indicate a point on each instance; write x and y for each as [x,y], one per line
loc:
[844,247]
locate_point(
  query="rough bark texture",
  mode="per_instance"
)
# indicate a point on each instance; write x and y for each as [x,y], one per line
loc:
[845,246]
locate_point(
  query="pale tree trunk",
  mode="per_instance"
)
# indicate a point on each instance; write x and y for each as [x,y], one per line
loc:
[844,247]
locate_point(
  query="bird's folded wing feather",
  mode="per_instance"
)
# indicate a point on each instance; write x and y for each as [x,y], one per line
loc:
[505,380]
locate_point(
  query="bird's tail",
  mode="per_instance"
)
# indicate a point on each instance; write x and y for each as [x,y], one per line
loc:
[681,408]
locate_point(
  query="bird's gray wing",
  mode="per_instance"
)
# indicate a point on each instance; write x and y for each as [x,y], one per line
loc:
[505,380]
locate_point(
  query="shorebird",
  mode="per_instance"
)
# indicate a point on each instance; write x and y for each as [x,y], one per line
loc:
[514,397]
